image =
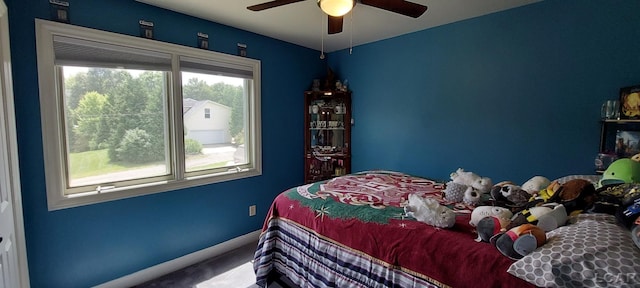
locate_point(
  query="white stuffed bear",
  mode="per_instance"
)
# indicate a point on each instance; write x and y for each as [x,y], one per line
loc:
[485,211]
[535,184]
[429,211]
[482,184]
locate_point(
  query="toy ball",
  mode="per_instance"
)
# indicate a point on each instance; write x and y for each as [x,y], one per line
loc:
[621,171]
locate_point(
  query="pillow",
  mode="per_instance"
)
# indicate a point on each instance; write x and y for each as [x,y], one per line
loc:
[592,252]
[594,179]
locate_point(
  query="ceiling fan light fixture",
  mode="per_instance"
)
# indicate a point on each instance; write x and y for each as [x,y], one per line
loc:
[336,8]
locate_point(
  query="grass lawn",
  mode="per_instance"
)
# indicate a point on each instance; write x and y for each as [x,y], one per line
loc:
[92,163]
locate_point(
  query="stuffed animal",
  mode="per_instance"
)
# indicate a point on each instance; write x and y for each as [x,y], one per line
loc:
[456,192]
[628,213]
[482,184]
[489,226]
[519,241]
[548,217]
[508,195]
[429,210]
[485,211]
[635,232]
[544,195]
[576,195]
[535,184]
[610,198]
[471,197]
[621,171]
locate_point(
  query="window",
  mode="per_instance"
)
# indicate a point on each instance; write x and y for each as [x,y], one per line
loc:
[122,116]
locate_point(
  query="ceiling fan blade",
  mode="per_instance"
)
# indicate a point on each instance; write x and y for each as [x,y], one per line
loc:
[271,4]
[398,6]
[335,24]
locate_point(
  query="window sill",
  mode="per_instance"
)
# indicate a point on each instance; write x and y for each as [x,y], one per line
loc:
[58,202]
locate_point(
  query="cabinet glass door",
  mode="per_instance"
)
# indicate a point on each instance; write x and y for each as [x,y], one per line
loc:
[327,135]
[327,127]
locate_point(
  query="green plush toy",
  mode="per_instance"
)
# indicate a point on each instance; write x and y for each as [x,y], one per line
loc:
[621,171]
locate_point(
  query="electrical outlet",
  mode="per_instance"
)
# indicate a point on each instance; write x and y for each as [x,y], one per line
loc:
[252,210]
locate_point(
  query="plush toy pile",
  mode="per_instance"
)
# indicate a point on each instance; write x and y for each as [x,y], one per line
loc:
[619,194]
[515,218]
[466,187]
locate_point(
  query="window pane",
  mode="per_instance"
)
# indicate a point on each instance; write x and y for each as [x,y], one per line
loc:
[115,124]
[214,141]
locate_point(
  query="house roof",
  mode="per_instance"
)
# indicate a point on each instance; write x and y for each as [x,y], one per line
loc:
[189,104]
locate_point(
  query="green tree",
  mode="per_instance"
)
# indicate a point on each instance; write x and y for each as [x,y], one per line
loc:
[135,146]
[153,121]
[95,79]
[198,90]
[236,124]
[127,102]
[88,117]
[75,88]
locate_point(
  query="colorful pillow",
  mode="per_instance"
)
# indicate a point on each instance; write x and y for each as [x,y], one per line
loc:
[592,252]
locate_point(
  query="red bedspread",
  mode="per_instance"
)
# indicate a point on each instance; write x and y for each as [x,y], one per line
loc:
[364,212]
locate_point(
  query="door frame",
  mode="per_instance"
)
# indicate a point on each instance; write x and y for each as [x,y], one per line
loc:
[12,147]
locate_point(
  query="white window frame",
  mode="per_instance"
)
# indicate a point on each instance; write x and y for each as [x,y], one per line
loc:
[207,113]
[52,108]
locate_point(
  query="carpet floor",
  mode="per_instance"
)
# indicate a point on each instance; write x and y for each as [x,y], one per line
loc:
[233,269]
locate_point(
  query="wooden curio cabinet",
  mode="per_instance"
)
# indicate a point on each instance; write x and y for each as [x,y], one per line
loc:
[327,134]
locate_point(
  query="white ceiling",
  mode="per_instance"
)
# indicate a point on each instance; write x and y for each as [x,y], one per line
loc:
[303,23]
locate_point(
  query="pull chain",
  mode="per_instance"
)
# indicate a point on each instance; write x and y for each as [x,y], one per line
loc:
[322,17]
[351,33]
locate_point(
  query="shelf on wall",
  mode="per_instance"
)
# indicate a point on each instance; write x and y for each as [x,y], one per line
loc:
[621,120]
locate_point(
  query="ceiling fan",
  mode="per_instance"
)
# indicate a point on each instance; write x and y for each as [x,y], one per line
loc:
[336,9]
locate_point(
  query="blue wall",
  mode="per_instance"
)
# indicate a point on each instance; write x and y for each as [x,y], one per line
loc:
[85,246]
[509,95]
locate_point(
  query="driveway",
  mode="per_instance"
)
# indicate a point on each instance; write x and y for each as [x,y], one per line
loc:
[210,154]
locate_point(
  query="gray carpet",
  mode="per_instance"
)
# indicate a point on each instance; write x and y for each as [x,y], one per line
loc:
[230,270]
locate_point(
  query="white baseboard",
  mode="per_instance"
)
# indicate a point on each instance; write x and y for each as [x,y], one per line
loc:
[182,262]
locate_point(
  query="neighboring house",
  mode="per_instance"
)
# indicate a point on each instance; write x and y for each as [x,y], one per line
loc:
[206,121]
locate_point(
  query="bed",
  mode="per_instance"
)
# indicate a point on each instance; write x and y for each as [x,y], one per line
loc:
[352,231]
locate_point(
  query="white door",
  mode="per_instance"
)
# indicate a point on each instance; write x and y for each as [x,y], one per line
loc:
[11,249]
[8,257]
